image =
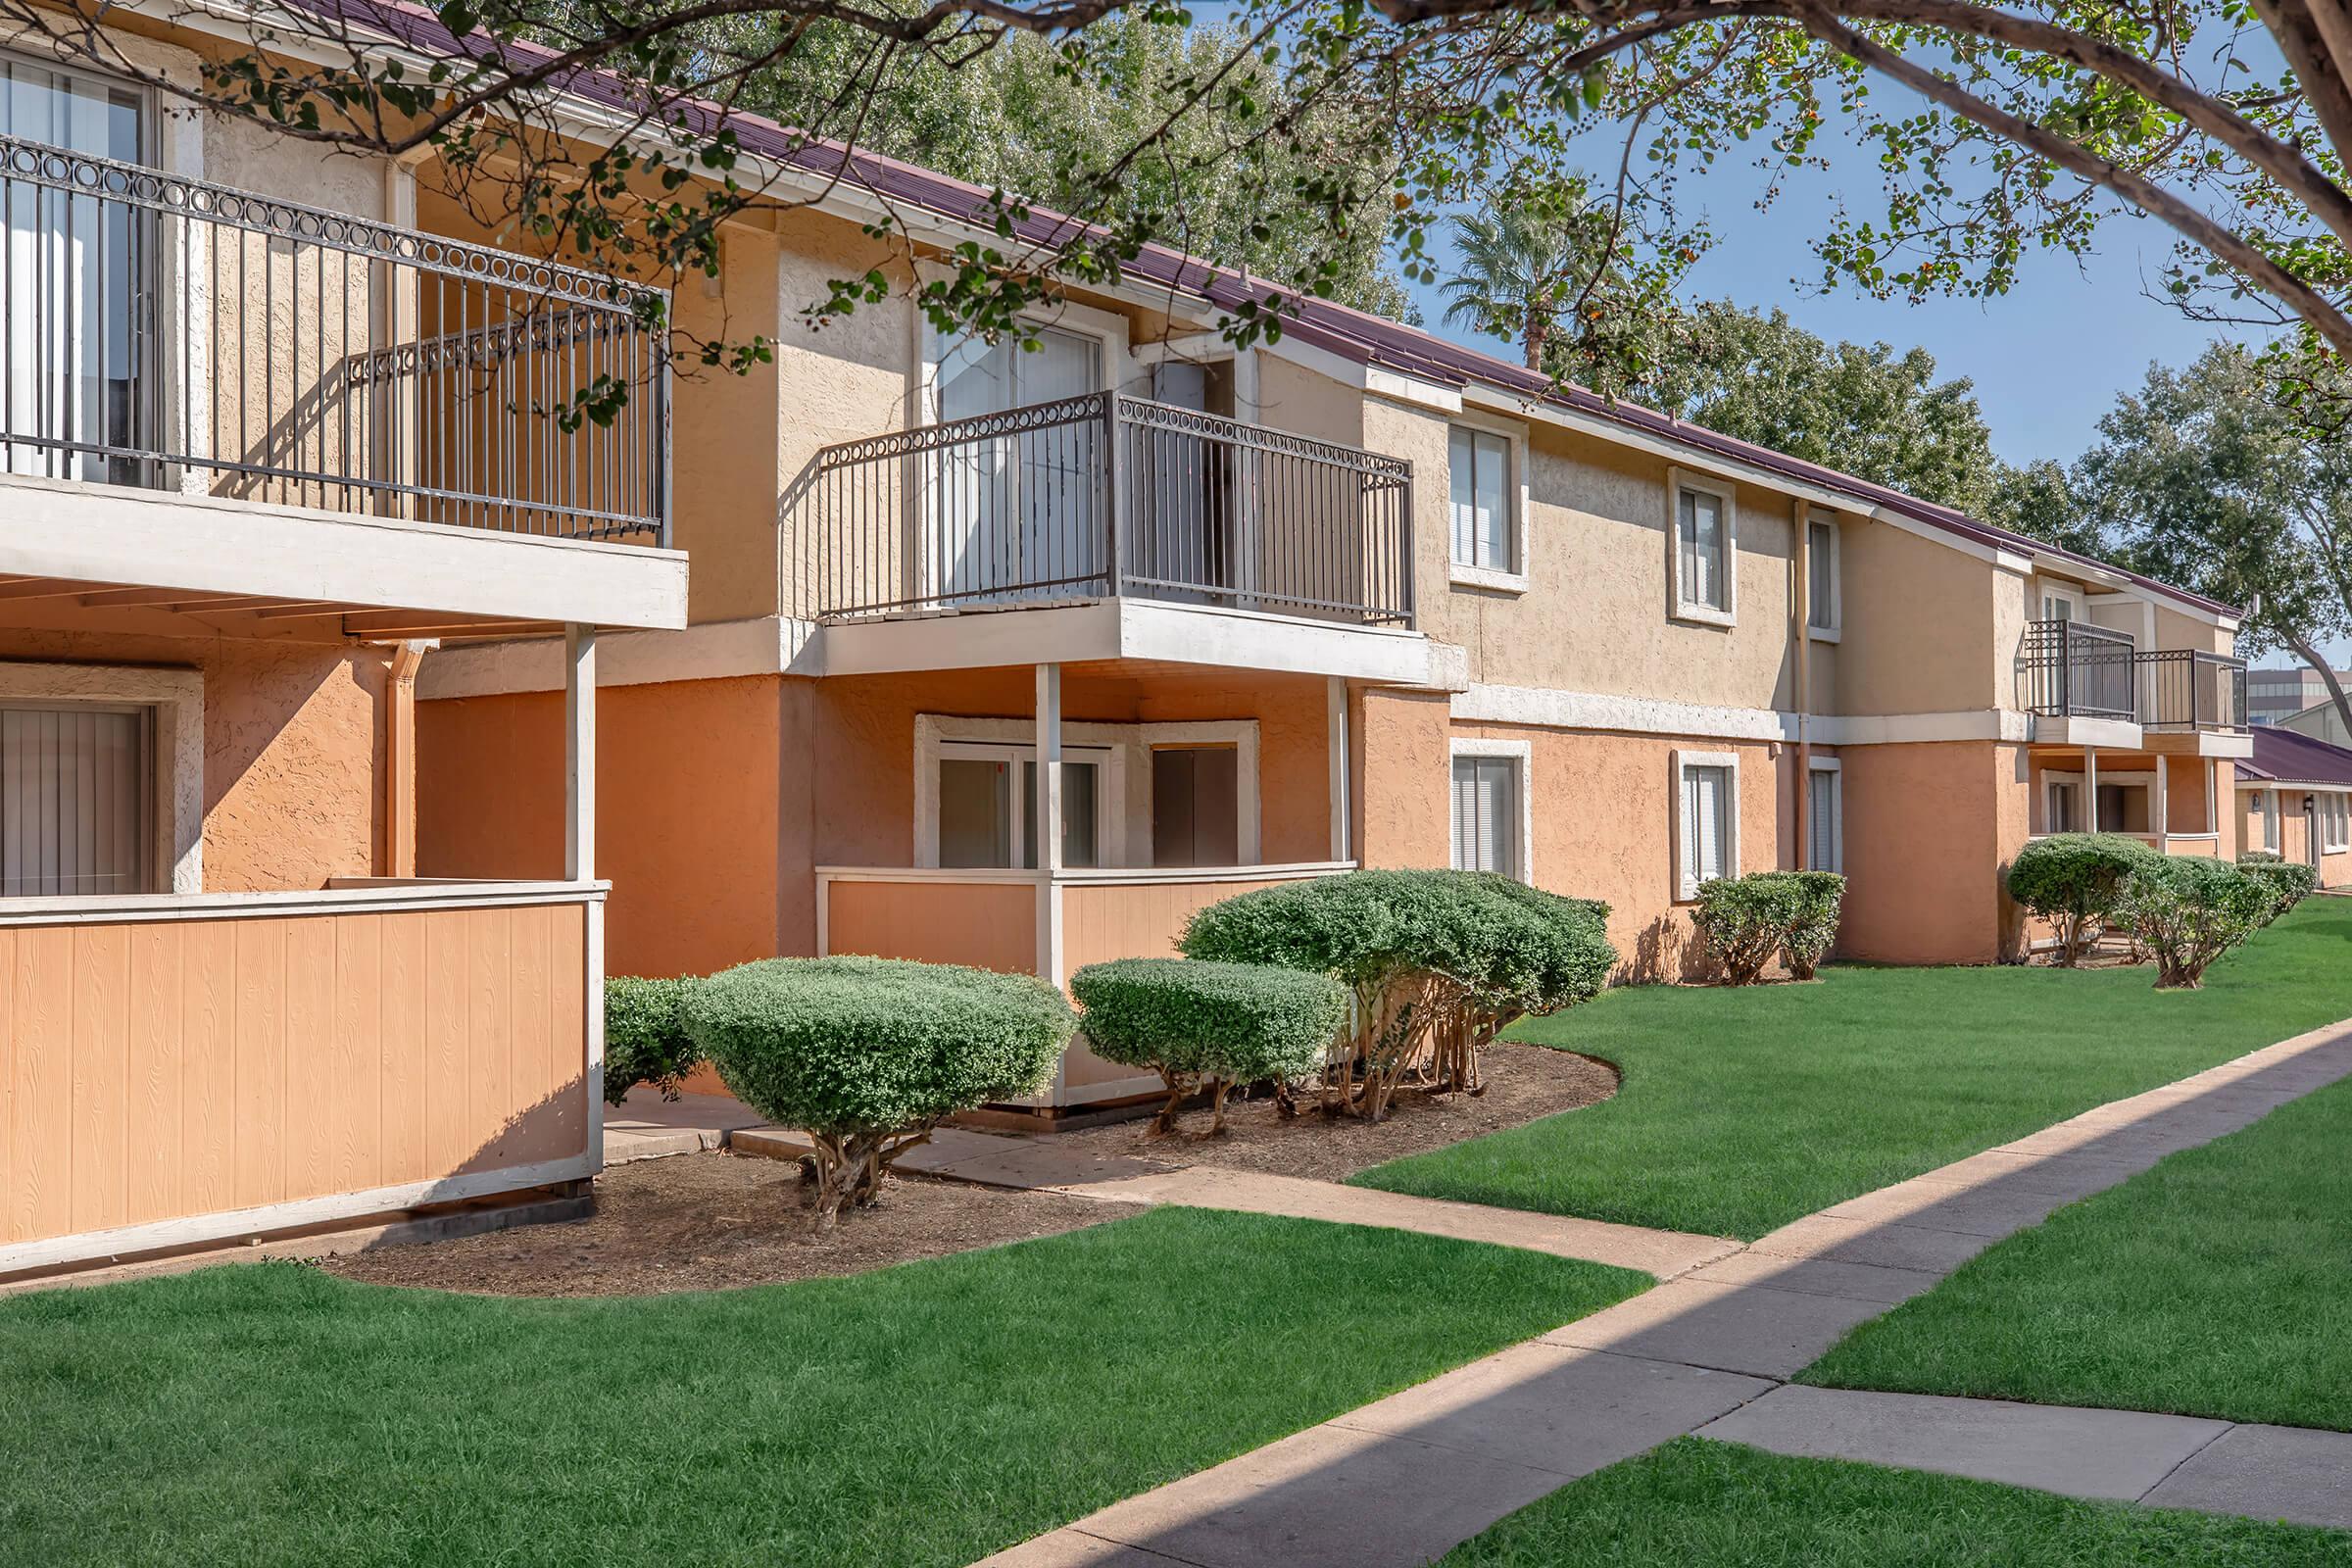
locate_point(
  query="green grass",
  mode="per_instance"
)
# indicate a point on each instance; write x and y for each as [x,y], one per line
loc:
[1700,1504]
[2214,1284]
[1744,1109]
[927,1414]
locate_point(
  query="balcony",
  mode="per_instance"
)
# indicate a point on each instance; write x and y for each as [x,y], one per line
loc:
[1105,495]
[166,334]
[2071,670]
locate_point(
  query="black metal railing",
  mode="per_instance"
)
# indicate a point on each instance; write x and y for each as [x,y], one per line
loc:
[2188,689]
[1103,495]
[2071,668]
[172,334]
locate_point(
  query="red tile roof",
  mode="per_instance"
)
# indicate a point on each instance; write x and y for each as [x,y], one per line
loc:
[1354,335]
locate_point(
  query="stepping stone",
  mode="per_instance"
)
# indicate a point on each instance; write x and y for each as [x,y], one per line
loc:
[1568,1411]
[1730,1328]
[2263,1472]
[2118,1454]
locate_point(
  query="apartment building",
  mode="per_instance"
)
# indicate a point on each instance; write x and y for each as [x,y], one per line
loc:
[2294,794]
[2274,695]
[258,455]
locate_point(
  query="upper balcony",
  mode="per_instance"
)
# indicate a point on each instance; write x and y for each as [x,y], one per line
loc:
[1102,499]
[2072,670]
[298,402]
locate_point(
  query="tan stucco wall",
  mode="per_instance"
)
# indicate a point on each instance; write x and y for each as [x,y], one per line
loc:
[1921,630]
[1930,830]
[293,749]
[1402,768]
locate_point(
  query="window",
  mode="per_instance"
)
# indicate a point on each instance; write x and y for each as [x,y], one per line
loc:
[1702,562]
[1825,823]
[1487,813]
[1478,469]
[1012,517]
[2268,803]
[2335,825]
[2062,807]
[1821,575]
[2058,604]
[77,800]
[1195,805]
[1709,836]
[978,823]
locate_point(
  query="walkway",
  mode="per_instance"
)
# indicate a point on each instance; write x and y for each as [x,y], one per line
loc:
[1403,1481]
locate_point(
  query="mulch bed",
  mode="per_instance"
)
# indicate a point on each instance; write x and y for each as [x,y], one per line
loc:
[703,1222]
[1523,1083]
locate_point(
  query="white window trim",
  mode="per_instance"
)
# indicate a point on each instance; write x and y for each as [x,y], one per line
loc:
[1685,880]
[178,698]
[2267,812]
[1124,820]
[1835,630]
[2144,777]
[1821,764]
[2335,822]
[1679,606]
[2055,588]
[1522,755]
[1495,579]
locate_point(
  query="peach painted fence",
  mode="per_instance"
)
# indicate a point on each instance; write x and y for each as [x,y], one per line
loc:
[997,919]
[175,1070]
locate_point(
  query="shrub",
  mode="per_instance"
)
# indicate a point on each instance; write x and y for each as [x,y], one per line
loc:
[1436,963]
[644,1036]
[867,1055]
[2188,911]
[1748,921]
[2288,882]
[1820,899]
[2073,880]
[1198,1022]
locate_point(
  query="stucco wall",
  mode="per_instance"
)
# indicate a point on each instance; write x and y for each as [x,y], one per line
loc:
[1922,633]
[1404,810]
[293,750]
[1930,830]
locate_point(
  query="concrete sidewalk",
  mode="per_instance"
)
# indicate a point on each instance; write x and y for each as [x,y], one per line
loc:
[1403,1481]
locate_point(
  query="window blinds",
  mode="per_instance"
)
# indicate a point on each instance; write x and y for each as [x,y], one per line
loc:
[1706,825]
[1485,815]
[1702,557]
[1820,830]
[1478,470]
[1820,575]
[75,801]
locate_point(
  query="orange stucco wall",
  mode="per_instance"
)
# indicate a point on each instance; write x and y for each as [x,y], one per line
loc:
[1930,829]
[1404,794]
[293,749]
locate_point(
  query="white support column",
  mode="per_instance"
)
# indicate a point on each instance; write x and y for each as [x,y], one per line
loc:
[2163,826]
[2091,786]
[1336,743]
[1049,822]
[2213,802]
[580,858]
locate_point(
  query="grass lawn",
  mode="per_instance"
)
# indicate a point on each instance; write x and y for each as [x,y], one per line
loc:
[2212,1285]
[926,1414]
[1743,1109]
[1695,1503]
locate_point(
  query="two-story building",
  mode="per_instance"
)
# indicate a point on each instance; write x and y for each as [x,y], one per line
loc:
[258,456]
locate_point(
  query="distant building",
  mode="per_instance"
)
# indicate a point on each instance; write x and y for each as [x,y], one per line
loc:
[2321,721]
[2274,695]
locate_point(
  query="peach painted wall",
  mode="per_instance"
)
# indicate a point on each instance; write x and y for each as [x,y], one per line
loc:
[169,1068]
[1136,920]
[293,749]
[989,925]
[697,826]
[1404,792]
[1930,830]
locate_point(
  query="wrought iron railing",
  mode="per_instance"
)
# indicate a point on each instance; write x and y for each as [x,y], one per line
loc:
[1103,495]
[172,334]
[2189,688]
[2071,668]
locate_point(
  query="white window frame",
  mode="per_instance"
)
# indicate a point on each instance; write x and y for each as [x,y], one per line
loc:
[1835,630]
[2145,778]
[2336,822]
[1494,579]
[1521,755]
[178,698]
[2046,589]
[932,347]
[1685,870]
[1819,765]
[1123,812]
[1681,607]
[2266,807]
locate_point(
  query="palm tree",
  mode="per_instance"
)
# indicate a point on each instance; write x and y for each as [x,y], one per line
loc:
[1519,269]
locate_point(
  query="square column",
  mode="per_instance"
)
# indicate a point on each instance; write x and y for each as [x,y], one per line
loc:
[1049,822]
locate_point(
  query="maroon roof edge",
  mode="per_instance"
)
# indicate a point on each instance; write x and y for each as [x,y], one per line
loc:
[2286,755]
[1356,335]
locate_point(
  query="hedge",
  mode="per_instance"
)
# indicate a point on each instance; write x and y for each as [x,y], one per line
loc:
[2289,882]
[2188,911]
[867,1055]
[644,1036]
[2074,880]
[1747,922]
[1437,961]
[1199,1022]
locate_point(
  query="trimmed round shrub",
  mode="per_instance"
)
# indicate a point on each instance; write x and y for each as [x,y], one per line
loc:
[1748,921]
[1198,1022]
[644,1036]
[1819,900]
[2289,882]
[1436,963]
[867,1056]
[2188,911]
[2073,880]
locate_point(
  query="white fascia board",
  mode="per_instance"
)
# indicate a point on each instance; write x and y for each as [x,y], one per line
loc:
[715,650]
[2118,734]
[204,544]
[1548,709]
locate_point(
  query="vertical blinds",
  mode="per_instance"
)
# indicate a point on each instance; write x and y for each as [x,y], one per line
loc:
[75,801]
[1478,470]
[1485,815]
[1820,575]
[1821,832]
[1701,542]
[1706,827]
